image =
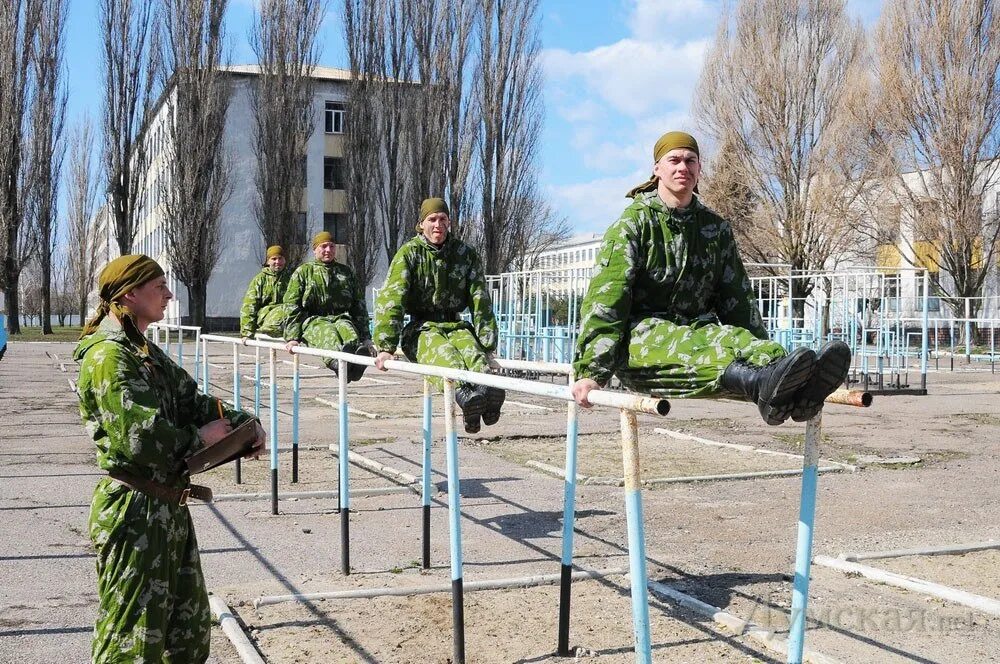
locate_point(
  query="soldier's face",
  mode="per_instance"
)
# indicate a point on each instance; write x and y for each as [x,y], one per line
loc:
[435,227]
[325,252]
[149,301]
[678,171]
[276,263]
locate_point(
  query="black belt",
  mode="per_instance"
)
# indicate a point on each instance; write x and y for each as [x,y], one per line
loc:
[437,317]
[162,491]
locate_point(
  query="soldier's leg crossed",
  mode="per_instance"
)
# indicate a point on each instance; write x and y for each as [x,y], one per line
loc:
[689,360]
[467,344]
[433,347]
[271,319]
[329,333]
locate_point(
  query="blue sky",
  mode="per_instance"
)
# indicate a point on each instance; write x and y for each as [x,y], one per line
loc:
[618,73]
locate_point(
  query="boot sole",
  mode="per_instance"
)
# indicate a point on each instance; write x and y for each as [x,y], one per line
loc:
[494,402]
[795,377]
[472,423]
[832,365]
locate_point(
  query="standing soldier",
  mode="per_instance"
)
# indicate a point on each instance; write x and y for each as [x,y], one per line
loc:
[434,277]
[326,307]
[670,309]
[146,416]
[262,309]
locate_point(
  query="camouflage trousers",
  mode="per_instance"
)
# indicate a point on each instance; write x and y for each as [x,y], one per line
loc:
[452,345]
[153,603]
[271,319]
[688,360]
[330,333]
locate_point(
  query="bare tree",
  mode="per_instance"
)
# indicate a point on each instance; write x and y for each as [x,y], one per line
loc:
[508,96]
[196,181]
[81,196]
[19,25]
[129,68]
[48,113]
[284,39]
[937,122]
[776,92]
[362,20]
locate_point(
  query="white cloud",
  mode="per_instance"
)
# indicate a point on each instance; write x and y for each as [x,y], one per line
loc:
[672,20]
[592,206]
[632,76]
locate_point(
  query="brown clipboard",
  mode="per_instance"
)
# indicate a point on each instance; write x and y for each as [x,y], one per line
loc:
[235,445]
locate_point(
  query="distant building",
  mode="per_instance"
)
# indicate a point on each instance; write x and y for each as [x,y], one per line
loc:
[577,252]
[323,206]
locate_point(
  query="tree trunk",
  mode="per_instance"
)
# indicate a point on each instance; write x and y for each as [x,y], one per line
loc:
[12,279]
[83,309]
[197,295]
[46,292]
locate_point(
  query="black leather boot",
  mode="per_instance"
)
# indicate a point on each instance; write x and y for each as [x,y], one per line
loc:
[774,387]
[832,364]
[472,402]
[494,401]
[356,371]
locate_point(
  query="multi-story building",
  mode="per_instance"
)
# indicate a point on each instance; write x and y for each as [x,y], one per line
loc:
[322,208]
[577,252]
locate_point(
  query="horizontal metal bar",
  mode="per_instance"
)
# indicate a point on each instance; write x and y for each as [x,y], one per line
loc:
[608,399]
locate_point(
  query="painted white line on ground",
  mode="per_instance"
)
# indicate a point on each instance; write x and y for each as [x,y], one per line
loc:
[680,435]
[791,472]
[350,409]
[552,470]
[231,628]
[978,602]
[735,624]
[926,551]
[371,464]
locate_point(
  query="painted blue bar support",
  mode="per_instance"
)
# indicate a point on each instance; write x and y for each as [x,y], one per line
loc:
[636,537]
[180,348]
[344,500]
[454,525]
[198,356]
[256,382]
[923,333]
[426,488]
[204,373]
[803,552]
[295,419]
[569,516]
[237,402]
[272,375]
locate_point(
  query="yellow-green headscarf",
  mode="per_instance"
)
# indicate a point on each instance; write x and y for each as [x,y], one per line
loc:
[275,250]
[321,237]
[117,278]
[669,141]
[431,206]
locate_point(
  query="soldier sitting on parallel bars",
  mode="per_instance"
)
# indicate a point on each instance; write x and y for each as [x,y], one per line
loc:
[671,312]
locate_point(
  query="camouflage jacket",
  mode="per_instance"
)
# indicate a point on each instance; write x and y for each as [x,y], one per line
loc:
[324,289]
[434,284]
[265,289]
[142,410]
[683,267]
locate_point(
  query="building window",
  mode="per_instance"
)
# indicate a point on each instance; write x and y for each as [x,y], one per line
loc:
[333,173]
[334,117]
[336,225]
[303,224]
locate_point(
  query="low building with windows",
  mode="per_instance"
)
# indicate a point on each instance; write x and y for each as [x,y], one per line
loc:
[323,204]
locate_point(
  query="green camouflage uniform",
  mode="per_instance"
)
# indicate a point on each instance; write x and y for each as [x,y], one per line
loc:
[434,285]
[143,412]
[669,306]
[327,307]
[262,310]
